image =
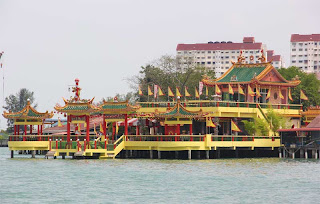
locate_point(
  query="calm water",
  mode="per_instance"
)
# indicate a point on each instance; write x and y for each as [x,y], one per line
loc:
[272,180]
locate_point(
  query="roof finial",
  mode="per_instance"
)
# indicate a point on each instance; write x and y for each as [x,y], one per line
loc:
[262,58]
[76,90]
[28,101]
[240,58]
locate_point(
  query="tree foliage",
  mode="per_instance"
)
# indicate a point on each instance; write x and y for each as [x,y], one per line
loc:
[168,72]
[277,121]
[309,84]
[17,102]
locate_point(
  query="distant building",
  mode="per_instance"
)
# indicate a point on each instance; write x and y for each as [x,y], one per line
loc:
[218,55]
[277,60]
[305,52]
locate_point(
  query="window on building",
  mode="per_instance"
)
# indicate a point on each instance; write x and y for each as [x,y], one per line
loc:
[198,57]
[293,43]
[198,62]
[293,61]
[257,51]
[300,44]
[179,53]
[208,62]
[246,51]
[226,52]
[251,52]
[202,57]
[209,51]
[233,57]
[305,49]
[213,62]
[202,62]
[198,52]
[293,49]
[277,62]
[227,62]
[209,57]
[315,67]
[227,57]
[233,52]
[185,52]
[293,56]
[221,62]
[300,49]
[300,61]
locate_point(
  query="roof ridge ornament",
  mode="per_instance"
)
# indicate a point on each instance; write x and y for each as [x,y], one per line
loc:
[76,91]
[262,58]
[240,58]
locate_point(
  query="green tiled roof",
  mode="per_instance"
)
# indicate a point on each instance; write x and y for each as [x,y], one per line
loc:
[179,111]
[114,106]
[244,74]
[71,107]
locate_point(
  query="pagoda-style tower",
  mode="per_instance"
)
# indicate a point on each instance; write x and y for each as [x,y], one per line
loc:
[176,116]
[27,116]
[78,110]
[114,111]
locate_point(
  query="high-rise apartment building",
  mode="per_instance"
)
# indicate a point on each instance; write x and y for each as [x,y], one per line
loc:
[305,52]
[218,55]
[276,60]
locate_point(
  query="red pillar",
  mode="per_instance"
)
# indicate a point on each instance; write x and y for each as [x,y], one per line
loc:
[68,128]
[137,130]
[113,130]
[190,129]
[18,130]
[88,128]
[30,129]
[125,124]
[104,127]
[166,129]
[25,132]
[41,126]
[15,132]
[178,129]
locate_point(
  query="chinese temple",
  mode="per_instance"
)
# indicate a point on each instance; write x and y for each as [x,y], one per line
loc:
[245,91]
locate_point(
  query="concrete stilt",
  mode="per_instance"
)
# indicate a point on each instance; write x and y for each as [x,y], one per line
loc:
[176,155]
[316,154]
[198,154]
[189,154]
[306,154]
[151,154]
[301,153]
[33,154]
[207,154]
[284,152]
[130,153]
[218,153]
[237,153]
[12,154]
[280,154]
[159,154]
[63,156]
[293,154]
[313,153]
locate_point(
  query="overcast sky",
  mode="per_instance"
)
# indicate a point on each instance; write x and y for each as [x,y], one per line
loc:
[48,44]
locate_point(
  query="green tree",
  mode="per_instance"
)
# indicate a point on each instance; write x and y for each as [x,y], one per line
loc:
[257,127]
[17,102]
[309,84]
[169,71]
[249,126]
[277,121]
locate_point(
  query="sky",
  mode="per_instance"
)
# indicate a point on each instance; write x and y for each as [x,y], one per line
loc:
[47,44]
